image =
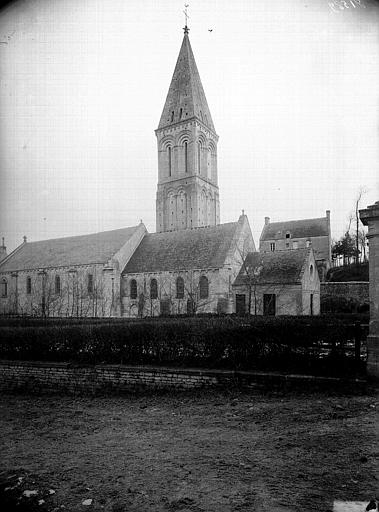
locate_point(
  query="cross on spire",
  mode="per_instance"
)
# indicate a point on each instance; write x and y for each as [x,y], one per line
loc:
[186,29]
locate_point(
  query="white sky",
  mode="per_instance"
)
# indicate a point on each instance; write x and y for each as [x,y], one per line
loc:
[292,87]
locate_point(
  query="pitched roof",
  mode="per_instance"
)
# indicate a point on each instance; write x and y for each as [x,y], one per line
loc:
[73,250]
[278,267]
[198,248]
[298,228]
[186,97]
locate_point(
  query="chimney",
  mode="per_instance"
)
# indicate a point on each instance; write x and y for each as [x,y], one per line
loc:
[267,221]
[3,250]
[25,239]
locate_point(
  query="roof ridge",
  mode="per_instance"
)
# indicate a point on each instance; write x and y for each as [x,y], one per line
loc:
[78,236]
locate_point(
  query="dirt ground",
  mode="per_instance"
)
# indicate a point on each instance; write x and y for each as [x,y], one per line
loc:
[206,451]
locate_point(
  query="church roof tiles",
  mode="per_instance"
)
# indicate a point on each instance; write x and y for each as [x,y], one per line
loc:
[279,267]
[189,249]
[304,228]
[69,251]
[185,97]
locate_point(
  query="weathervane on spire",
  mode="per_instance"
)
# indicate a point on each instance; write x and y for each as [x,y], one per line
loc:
[186,29]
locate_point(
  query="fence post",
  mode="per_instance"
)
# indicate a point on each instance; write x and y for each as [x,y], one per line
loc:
[357,336]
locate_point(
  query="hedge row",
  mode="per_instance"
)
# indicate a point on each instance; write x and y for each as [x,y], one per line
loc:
[306,344]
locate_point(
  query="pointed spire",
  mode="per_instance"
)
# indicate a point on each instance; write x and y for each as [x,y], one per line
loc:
[186,98]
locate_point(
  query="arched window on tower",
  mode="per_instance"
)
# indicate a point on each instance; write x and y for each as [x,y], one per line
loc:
[180,288]
[133,289]
[204,287]
[186,156]
[199,157]
[169,160]
[153,289]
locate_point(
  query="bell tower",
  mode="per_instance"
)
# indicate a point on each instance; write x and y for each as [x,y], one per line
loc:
[187,194]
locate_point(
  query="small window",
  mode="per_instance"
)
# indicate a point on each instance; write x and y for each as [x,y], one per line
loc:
[57,284]
[287,245]
[186,156]
[288,235]
[204,287]
[4,288]
[172,116]
[153,289]
[272,246]
[28,285]
[90,283]
[311,271]
[180,113]
[180,288]
[133,289]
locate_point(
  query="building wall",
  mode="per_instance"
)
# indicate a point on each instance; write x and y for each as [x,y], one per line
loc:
[356,290]
[187,195]
[218,300]
[291,299]
[288,298]
[73,299]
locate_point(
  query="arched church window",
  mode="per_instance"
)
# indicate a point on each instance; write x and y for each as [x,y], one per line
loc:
[199,156]
[57,284]
[169,160]
[28,285]
[172,116]
[4,287]
[180,113]
[204,287]
[180,288]
[153,289]
[186,156]
[133,289]
[90,283]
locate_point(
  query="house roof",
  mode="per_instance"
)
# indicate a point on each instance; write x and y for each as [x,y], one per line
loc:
[186,97]
[73,250]
[278,267]
[298,228]
[198,248]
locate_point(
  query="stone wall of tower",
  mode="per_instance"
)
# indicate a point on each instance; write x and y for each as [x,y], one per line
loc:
[187,195]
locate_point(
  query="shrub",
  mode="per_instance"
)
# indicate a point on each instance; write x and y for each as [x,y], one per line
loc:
[307,344]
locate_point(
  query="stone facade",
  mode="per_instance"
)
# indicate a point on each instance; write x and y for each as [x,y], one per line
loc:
[57,378]
[200,283]
[187,194]
[357,292]
[278,285]
[298,234]
[66,289]
[370,218]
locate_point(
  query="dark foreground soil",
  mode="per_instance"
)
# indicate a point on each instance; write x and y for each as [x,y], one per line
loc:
[188,452]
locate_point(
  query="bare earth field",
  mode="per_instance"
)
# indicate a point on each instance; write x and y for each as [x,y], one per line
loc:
[206,451]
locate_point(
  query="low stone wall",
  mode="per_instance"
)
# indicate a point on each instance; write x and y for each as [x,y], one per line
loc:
[357,290]
[64,378]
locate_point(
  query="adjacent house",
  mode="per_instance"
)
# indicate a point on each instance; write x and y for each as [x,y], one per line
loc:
[298,234]
[278,283]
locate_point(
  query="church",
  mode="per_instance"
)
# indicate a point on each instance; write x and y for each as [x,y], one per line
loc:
[188,266]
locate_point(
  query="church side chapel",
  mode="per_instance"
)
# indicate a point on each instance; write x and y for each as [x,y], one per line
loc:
[187,266]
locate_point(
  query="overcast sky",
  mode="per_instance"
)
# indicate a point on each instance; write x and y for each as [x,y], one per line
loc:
[292,86]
